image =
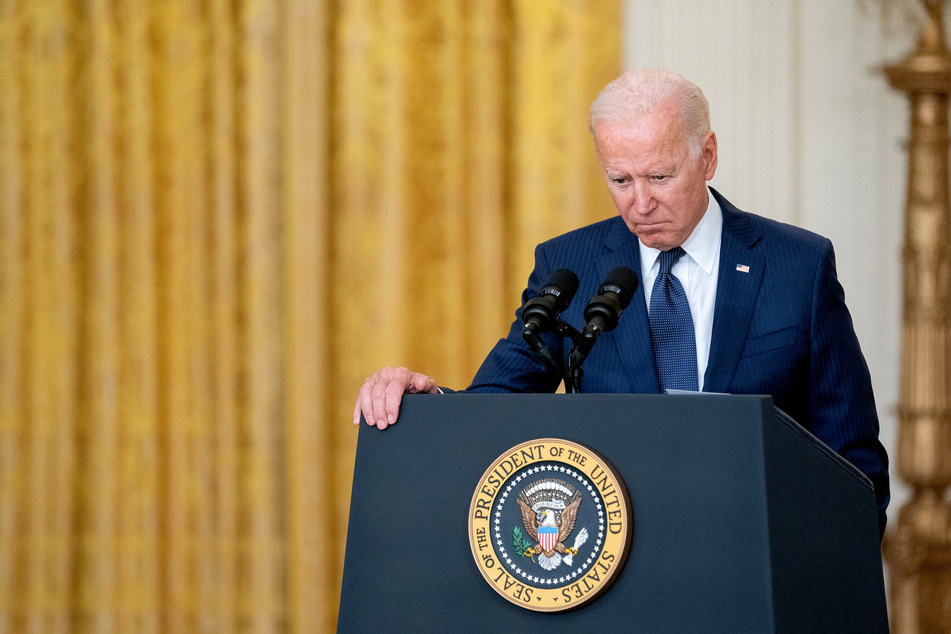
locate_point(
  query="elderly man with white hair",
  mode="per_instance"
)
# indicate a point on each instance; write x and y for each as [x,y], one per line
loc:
[729,301]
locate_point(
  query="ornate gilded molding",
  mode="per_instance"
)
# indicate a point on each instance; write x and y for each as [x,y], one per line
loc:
[919,549]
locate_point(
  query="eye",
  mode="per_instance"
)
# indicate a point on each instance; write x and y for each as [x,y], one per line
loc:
[659,177]
[620,180]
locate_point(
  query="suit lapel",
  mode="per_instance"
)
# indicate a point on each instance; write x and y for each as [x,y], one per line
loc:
[738,284]
[632,337]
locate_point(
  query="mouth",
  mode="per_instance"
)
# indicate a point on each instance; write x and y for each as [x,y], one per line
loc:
[648,227]
[655,234]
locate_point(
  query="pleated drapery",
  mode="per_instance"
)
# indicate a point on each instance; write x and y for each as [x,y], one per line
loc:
[216,218]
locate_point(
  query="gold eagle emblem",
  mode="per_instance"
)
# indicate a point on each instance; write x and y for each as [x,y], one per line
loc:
[549,511]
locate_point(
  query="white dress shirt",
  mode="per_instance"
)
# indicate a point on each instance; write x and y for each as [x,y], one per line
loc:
[697,272]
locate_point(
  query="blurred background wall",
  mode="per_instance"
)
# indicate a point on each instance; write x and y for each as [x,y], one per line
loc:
[217,217]
[809,133]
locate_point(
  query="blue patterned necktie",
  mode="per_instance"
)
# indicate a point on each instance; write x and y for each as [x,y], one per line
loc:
[675,348]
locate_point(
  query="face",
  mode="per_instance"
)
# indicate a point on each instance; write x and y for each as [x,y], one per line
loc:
[657,183]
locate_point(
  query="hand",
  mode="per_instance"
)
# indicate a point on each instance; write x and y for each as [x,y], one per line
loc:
[379,398]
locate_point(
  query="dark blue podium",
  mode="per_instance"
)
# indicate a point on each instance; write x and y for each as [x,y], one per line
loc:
[742,521]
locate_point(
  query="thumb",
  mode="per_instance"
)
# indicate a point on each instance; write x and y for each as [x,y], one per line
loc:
[422,384]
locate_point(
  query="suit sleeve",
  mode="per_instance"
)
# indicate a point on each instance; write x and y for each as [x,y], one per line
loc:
[841,404]
[511,365]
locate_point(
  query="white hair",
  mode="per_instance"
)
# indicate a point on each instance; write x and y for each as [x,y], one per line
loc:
[636,94]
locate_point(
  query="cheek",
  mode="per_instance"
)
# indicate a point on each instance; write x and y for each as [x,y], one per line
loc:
[621,199]
[678,201]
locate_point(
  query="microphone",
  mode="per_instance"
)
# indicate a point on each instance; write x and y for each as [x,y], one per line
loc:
[602,315]
[603,311]
[541,313]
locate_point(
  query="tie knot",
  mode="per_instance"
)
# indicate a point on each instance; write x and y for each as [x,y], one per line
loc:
[668,258]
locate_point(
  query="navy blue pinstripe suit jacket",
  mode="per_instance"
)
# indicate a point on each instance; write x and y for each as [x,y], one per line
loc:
[781,329]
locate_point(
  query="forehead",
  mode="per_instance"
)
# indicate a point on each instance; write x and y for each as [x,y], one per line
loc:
[657,136]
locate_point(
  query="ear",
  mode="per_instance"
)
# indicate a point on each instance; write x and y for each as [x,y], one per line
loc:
[709,155]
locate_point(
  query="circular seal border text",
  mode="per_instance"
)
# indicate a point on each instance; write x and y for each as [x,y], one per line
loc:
[582,468]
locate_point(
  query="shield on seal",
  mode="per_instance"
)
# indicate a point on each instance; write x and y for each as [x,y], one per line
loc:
[548,537]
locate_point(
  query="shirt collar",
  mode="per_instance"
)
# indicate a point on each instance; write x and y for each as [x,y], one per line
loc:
[702,245]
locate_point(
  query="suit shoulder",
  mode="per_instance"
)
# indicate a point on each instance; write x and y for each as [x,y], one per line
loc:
[750,228]
[594,233]
[776,234]
[789,232]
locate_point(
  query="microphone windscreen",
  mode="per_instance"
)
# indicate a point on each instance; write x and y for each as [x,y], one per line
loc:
[622,281]
[566,283]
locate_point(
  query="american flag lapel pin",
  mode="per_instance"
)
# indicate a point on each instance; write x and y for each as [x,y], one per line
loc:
[743,268]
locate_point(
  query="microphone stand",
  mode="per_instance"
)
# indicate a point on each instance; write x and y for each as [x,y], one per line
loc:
[534,341]
[583,341]
[565,330]
[568,331]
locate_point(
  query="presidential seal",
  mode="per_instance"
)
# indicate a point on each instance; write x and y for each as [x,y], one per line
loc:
[550,525]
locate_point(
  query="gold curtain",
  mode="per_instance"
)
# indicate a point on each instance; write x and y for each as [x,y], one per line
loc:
[216,217]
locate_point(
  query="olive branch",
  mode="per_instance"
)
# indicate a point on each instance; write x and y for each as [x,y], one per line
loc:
[522,545]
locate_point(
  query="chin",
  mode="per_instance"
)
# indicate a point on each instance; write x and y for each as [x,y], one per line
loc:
[656,239]
[656,243]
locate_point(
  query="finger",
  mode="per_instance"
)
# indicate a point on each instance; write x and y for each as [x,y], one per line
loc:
[422,384]
[429,386]
[366,401]
[394,397]
[377,411]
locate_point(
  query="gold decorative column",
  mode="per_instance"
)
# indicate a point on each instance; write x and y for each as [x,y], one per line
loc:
[919,550]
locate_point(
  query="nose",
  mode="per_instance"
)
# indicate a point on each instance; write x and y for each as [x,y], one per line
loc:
[643,198]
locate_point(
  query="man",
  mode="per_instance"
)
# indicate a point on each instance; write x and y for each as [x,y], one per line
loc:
[755,303]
